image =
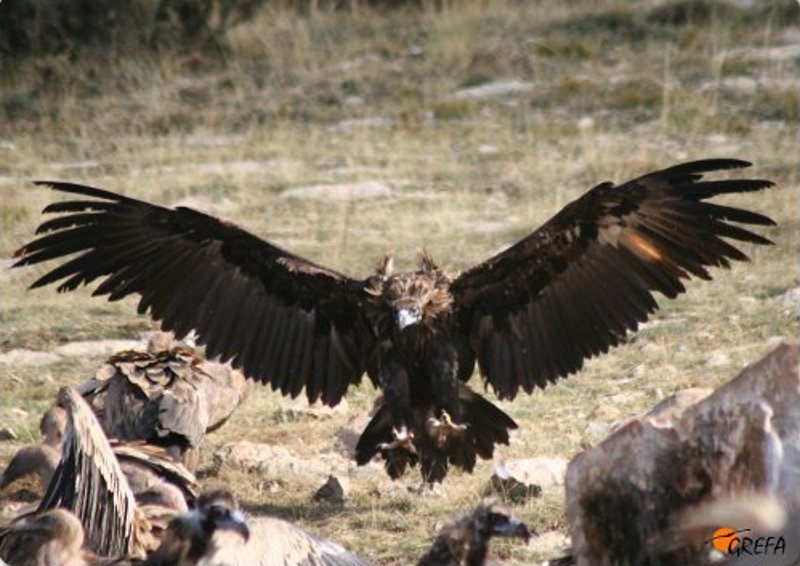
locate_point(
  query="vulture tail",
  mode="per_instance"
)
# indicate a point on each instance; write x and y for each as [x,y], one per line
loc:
[487,425]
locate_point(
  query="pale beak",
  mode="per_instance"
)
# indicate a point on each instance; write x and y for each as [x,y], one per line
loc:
[236,523]
[407,317]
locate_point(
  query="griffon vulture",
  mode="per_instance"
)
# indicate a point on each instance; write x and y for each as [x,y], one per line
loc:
[43,539]
[167,396]
[527,316]
[465,541]
[97,482]
[215,533]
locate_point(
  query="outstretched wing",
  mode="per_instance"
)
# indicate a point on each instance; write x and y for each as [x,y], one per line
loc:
[281,318]
[90,483]
[573,288]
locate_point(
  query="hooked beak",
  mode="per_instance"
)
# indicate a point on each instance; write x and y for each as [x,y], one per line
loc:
[236,523]
[513,528]
[407,317]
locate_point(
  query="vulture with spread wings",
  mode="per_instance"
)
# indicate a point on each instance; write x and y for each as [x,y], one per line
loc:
[529,315]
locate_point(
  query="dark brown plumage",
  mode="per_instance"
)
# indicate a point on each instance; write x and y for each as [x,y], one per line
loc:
[529,315]
[465,541]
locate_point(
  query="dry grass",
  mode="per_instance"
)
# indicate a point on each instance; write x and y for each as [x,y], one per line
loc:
[616,91]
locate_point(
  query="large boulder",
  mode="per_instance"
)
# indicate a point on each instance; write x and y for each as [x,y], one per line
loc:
[627,495]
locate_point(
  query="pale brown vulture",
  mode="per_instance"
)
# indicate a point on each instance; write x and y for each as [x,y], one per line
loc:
[167,396]
[50,538]
[529,315]
[217,534]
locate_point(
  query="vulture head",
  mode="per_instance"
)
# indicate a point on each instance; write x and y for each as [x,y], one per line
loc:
[217,511]
[492,518]
[413,297]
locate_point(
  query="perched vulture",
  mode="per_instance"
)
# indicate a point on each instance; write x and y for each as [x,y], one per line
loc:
[465,541]
[39,459]
[153,475]
[527,316]
[49,538]
[167,396]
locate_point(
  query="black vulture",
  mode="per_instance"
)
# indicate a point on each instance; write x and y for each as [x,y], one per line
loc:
[529,315]
[465,540]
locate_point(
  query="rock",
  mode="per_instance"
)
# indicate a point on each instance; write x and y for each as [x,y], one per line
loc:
[626,493]
[369,123]
[790,301]
[24,357]
[278,462]
[544,471]
[73,165]
[549,543]
[333,491]
[347,436]
[717,358]
[673,406]
[487,150]
[299,409]
[340,192]
[493,90]
[96,347]
[7,433]
[520,480]
[780,53]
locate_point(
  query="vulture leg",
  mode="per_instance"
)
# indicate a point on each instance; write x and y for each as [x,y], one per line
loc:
[395,385]
[447,418]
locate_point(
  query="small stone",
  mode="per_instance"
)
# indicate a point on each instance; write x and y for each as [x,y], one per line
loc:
[7,433]
[523,479]
[717,358]
[333,491]
[487,150]
[493,90]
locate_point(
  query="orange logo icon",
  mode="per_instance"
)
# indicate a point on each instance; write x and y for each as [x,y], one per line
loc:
[725,539]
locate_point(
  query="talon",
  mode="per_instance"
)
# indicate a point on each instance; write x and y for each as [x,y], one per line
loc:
[441,429]
[448,422]
[402,439]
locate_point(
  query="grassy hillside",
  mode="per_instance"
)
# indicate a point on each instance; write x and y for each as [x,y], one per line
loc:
[598,90]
